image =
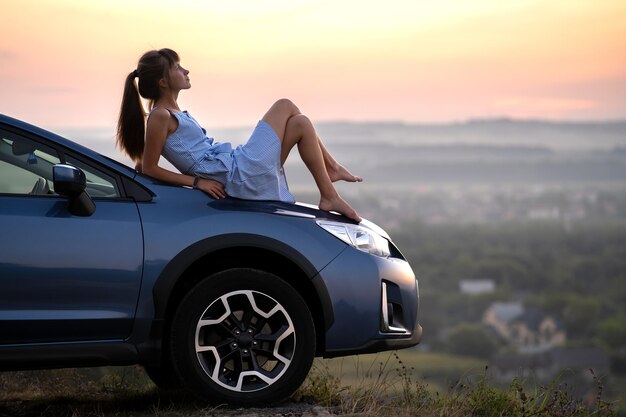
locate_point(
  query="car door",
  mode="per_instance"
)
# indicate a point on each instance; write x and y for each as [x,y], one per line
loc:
[63,278]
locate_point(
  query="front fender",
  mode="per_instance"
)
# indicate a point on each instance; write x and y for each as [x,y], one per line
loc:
[177,266]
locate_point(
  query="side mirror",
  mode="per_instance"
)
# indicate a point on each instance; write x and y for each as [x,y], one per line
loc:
[70,182]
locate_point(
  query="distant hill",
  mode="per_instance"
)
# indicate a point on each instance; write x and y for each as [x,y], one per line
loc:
[475,151]
[500,132]
[552,135]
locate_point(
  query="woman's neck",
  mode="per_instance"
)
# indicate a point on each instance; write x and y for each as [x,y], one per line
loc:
[168,104]
[168,99]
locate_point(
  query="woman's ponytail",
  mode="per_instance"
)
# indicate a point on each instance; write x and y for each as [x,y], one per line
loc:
[131,123]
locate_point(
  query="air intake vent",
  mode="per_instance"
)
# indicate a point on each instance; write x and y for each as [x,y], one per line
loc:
[392,316]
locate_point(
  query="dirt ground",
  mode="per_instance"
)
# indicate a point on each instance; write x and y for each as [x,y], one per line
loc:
[145,405]
[118,392]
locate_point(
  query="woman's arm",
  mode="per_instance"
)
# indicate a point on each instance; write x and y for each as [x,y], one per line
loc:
[160,125]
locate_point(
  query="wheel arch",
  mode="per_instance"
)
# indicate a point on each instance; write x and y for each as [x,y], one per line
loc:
[242,251]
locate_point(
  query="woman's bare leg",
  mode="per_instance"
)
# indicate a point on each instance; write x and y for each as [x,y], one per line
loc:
[335,170]
[294,128]
[300,131]
[277,117]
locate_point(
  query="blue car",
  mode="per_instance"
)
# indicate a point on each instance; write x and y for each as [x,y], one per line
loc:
[229,299]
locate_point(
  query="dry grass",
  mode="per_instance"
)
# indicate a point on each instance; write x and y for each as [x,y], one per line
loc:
[373,385]
[386,385]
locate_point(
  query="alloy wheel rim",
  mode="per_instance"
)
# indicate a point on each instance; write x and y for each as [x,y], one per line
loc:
[245,341]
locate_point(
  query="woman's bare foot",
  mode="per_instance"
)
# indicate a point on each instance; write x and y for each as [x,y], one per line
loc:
[338,173]
[339,205]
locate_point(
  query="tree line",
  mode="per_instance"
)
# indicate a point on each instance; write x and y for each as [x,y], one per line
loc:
[577,273]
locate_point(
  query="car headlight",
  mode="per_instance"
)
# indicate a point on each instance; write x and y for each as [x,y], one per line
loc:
[357,236]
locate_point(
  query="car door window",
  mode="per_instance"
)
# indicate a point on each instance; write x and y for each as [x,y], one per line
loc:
[99,184]
[25,165]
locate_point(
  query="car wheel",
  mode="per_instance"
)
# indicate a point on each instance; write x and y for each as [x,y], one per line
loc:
[244,337]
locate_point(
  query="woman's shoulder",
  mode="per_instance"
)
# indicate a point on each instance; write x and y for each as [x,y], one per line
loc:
[159,114]
[162,119]
[163,115]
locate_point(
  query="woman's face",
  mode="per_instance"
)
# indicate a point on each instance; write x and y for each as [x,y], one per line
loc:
[179,78]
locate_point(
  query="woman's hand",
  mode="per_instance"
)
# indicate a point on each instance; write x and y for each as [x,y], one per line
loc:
[213,188]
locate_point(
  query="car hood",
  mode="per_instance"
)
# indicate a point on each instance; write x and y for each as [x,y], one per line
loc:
[287,209]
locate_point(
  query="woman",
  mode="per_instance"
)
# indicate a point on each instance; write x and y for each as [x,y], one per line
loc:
[251,171]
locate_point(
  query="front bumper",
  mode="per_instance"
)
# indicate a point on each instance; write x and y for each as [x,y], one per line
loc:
[375,304]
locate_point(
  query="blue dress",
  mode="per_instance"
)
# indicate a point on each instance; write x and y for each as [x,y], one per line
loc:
[251,171]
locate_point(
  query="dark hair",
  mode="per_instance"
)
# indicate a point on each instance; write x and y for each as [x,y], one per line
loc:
[131,129]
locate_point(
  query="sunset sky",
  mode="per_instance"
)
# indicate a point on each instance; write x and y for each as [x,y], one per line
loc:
[63,62]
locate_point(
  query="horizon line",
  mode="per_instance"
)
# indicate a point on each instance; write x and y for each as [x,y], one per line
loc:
[452,122]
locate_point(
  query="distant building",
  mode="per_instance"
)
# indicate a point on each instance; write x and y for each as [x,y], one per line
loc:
[533,331]
[528,331]
[500,314]
[477,286]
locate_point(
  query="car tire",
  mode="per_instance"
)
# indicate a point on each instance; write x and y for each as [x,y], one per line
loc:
[244,337]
